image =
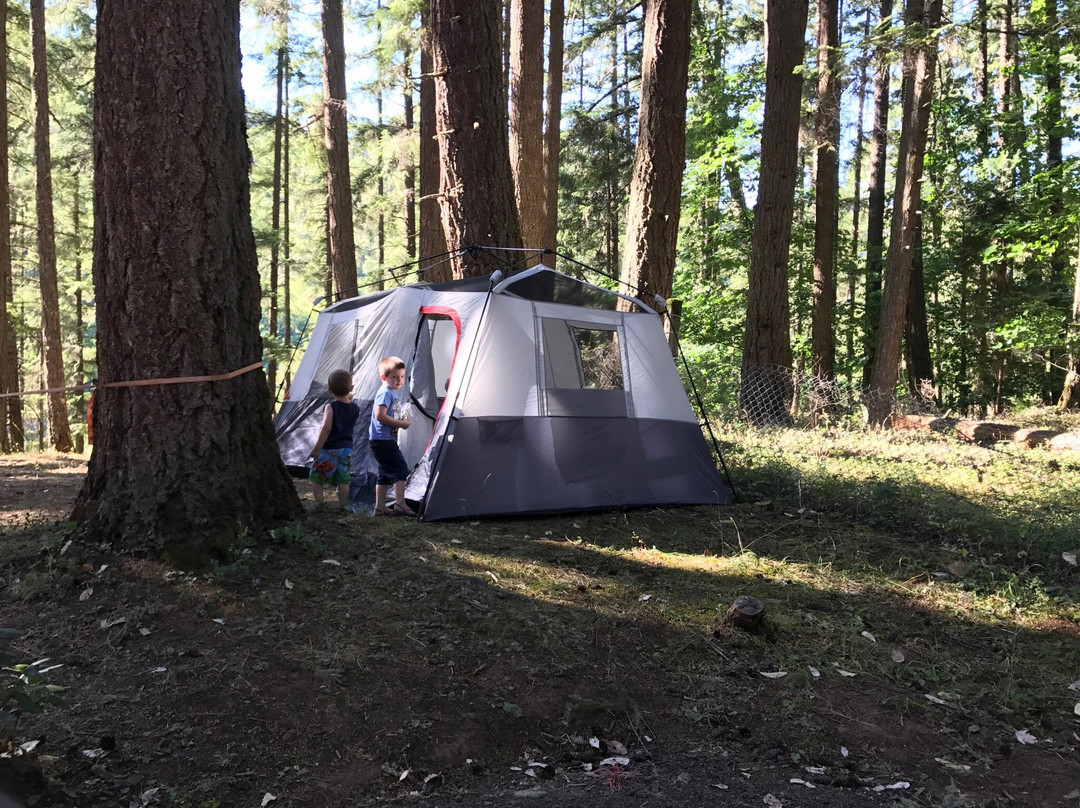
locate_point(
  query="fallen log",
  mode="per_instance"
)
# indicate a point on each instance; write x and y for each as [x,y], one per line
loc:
[986,432]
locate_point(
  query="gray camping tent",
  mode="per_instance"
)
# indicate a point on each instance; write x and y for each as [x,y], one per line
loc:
[531,393]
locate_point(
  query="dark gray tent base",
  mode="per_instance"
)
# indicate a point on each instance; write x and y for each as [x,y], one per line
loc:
[493,466]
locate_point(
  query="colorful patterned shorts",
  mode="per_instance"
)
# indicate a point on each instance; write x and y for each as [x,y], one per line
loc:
[334,467]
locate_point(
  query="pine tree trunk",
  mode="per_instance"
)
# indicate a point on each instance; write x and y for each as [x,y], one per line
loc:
[341,248]
[652,215]
[11,428]
[856,203]
[275,217]
[527,116]
[552,127]
[286,244]
[181,470]
[875,197]
[826,178]
[766,381]
[470,113]
[409,167]
[922,20]
[52,346]
[433,261]
[920,366]
[1072,375]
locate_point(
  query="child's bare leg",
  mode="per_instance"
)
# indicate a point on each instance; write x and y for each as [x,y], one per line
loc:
[316,491]
[380,498]
[399,498]
[343,494]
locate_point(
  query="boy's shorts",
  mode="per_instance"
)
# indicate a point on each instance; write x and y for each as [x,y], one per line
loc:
[334,467]
[392,465]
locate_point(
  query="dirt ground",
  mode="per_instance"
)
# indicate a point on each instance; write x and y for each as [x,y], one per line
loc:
[372,662]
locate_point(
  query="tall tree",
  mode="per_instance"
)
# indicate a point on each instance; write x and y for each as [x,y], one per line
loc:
[11,428]
[275,201]
[52,347]
[856,198]
[341,248]
[1072,375]
[477,186]
[552,130]
[652,221]
[826,173]
[527,115]
[766,381]
[875,192]
[922,18]
[409,166]
[432,241]
[183,468]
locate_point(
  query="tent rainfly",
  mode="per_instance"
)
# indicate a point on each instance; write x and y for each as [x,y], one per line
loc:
[530,393]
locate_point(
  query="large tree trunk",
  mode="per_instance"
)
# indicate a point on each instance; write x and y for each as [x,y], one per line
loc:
[408,167]
[183,469]
[875,195]
[652,216]
[856,201]
[1072,375]
[52,347]
[11,428]
[552,128]
[766,383]
[470,114]
[275,216]
[920,365]
[341,248]
[527,116]
[826,177]
[433,263]
[922,20]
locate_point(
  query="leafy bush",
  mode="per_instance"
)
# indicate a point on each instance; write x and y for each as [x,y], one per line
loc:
[25,689]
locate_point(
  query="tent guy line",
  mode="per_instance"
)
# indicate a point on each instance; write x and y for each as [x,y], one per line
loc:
[140,382]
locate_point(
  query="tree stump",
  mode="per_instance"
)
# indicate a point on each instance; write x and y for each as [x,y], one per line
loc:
[746,613]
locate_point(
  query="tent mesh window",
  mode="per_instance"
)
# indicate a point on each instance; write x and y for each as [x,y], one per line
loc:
[582,370]
[341,350]
[601,365]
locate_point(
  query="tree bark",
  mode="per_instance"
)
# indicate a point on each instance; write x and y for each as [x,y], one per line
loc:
[408,166]
[920,366]
[1072,375]
[341,248]
[470,113]
[875,195]
[652,216]
[52,345]
[766,383]
[922,20]
[433,263]
[527,116]
[11,428]
[275,215]
[552,129]
[826,178]
[182,470]
[856,201]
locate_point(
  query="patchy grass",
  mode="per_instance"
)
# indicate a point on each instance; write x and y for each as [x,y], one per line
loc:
[919,630]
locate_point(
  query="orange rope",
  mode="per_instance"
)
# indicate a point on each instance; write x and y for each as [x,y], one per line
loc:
[140,382]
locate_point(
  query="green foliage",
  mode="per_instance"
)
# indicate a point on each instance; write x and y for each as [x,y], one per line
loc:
[23,686]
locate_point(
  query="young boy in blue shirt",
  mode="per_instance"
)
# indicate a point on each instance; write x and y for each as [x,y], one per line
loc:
[333,449]
[382,435]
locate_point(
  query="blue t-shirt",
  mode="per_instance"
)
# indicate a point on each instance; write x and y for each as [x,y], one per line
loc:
[384,398]
[341,431]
